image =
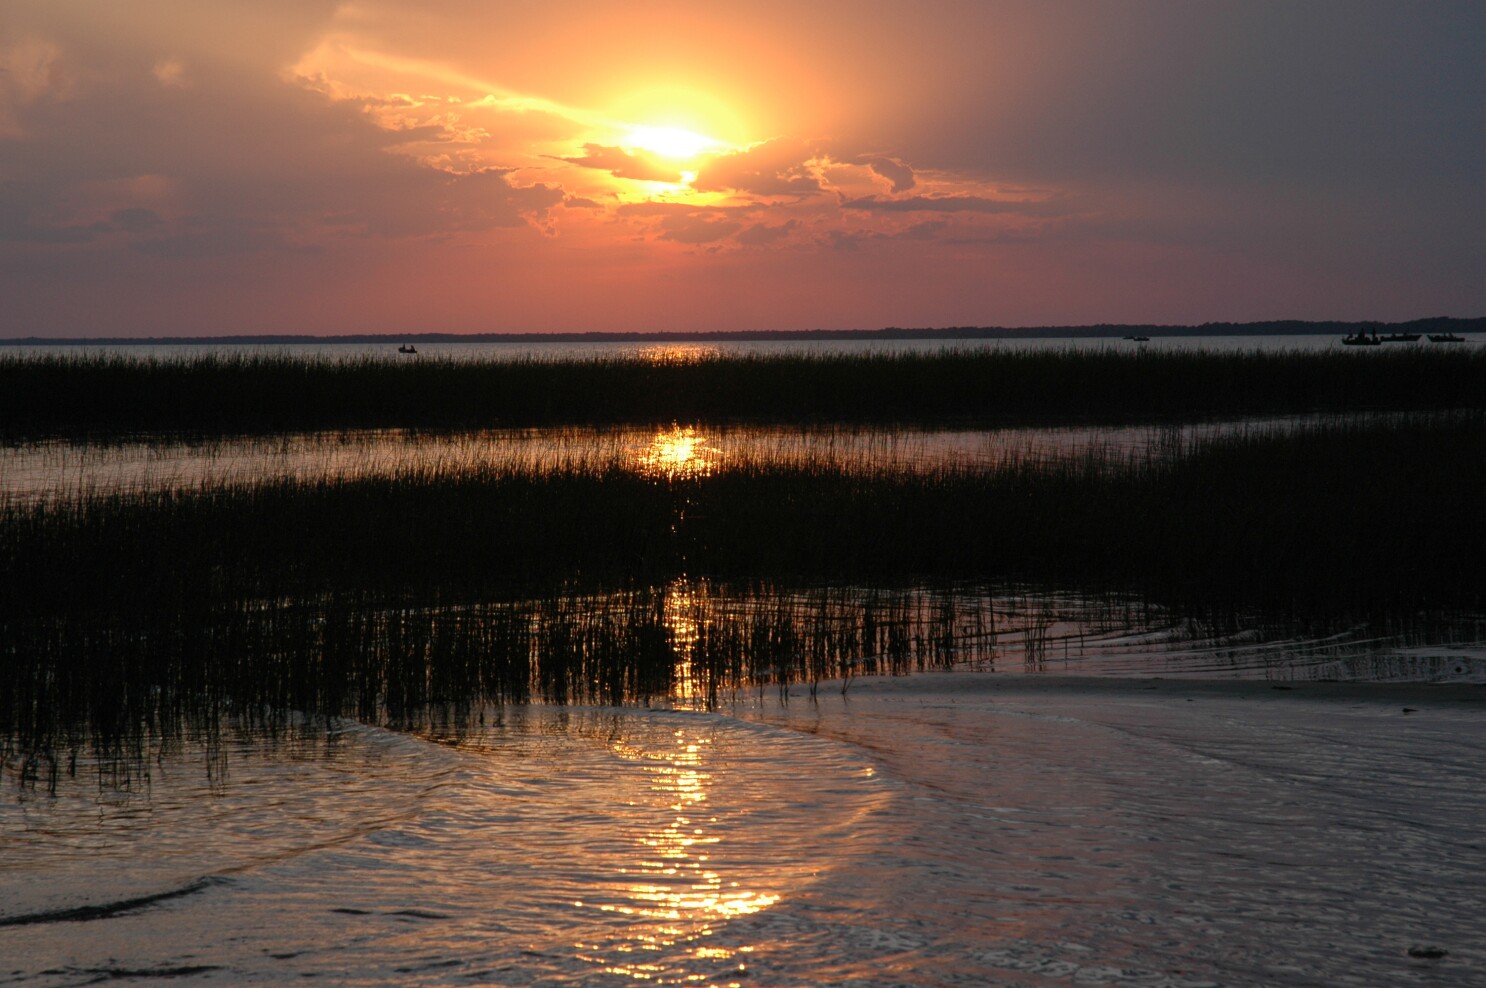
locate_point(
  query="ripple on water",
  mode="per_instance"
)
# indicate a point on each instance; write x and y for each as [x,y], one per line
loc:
[548,845]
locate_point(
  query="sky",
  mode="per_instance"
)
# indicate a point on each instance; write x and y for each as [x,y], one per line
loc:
[212,167]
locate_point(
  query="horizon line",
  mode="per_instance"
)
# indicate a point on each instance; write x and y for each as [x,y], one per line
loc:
[1273,327]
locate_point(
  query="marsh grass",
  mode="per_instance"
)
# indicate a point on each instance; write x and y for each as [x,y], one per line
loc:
[94,395]
[115,685]
[1378,514]
[131,614]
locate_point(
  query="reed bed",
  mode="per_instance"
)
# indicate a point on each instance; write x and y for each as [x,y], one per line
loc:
[375,596]
[117,684]
[1383,513]
[101,396]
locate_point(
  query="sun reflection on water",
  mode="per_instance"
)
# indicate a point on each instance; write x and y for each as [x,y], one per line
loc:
[679,452]
[686,606]
[678,353]
[674,882]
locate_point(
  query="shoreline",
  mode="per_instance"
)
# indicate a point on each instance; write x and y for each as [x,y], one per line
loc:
[1276,327]
[972,685]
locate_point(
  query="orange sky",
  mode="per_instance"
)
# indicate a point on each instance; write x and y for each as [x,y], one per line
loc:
[194,167]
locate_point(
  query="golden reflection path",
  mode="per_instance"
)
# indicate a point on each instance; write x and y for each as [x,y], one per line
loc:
[678,353]
[679,452]
[685,608]
[673,885]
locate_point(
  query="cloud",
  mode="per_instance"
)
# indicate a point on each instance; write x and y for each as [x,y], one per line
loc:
[624,164]
[899,174]
[761,234]
[948,204]
[847,240]
[486,199]
[927,230]
[1305,95]
[298,151]
[241,160]
[684,223]
[171,73]
[29,72]
[651,207]
[135,219]
[697,229]
[226,238]
[24,219]
[780,167]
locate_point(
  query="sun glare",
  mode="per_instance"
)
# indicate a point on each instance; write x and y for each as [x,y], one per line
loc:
[675,143]
[679,452]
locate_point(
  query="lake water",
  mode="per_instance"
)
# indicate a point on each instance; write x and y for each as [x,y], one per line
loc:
[966,829]
[30,471]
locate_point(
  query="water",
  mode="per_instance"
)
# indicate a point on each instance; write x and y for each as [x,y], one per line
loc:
[33,471]
[939,830]
[679,350]
[64,469]
[1164,834]
[547,845]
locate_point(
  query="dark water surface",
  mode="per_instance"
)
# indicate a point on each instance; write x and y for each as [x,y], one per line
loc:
[966,829]
[66,469]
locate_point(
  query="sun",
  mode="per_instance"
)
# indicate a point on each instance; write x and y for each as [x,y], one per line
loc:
[675,143]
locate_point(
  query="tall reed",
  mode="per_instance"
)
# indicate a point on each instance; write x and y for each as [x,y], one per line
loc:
[1383,513]
[98,395]
[375,596]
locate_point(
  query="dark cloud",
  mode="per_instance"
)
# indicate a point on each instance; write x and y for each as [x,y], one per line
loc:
[894,171]
[687,224]
[761,234]
[925,233]
[773,168]
[624,164]
[225,238]
[236,163]
[1363,92]
[28,216]
[652,208]
[485,199]
[135,219]
[698,229]
[847,240]
[927,230]
[948,204]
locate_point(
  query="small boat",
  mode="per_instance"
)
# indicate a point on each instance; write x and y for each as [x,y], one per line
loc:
[1445,338]
[1139,339]
[407,348]
[1360,338]
[1401,338]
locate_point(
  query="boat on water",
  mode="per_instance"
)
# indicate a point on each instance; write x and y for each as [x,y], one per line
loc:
[1360,338]
[1139,339]
[1445,338]
[1401,338]
[407,348]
